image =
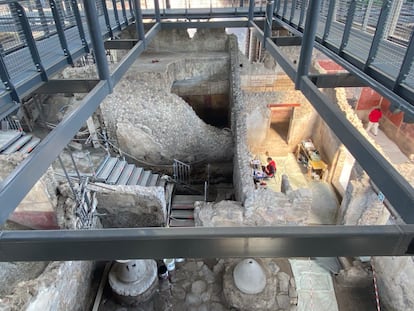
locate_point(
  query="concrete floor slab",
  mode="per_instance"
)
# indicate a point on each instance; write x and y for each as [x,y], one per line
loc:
[314,286]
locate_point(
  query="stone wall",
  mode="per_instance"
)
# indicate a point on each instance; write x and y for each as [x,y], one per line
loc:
[63,286]
[150,123]
[130,206]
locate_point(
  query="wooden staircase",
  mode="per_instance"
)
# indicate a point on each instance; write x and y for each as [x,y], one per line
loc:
[182,210]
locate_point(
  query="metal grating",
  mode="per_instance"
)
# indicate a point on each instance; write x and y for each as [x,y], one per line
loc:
[12,40]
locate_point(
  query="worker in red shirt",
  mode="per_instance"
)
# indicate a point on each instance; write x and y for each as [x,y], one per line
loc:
[270,169]
[374,117]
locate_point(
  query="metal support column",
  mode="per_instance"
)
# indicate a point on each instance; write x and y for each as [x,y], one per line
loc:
[329,17]
[79,24]
[407,63]
[97,43]
[277,6]
[251,10]
[268,21]
[285,5]
[60,31]
[115,9]
[124,12]
[131,8]
[107,21]
[157,11]
[379,33]
[138,21]
[31,43]
[348,25]
[75,194]
[307,41]
[292,11]
[302,13]
[42,16]
[5,78]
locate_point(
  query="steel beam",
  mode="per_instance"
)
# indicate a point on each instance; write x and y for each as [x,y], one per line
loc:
[307,42]
[122,44]
[219,242]
[15,186]
[348,25]
[379,33]
[401,97]
[336,80]
[60,31]
[206,24]
[133,54]
[396,189]
[67,86]
[276,53]
[287,41]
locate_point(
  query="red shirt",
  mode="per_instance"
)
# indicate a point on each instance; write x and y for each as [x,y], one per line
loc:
[375,115]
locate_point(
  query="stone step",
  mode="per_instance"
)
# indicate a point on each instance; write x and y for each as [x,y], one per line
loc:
[182,214]
[135,176]
[19,143]
[181,199]
[182,223]
[116,172]
[161,182]
[126,174]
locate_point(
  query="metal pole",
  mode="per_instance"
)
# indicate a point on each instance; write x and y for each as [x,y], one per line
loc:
[348,25]
[251,10]
[331,11]
[74,165]
[157,11]
[307,41]
[138,21]
[114,5]
[60,31]
[379,33]
[5,78]
[68,178]
[269,21]
[407,63]
[302,13]
[42,16]
[124,12]
[79,23]
[28,35]
[106,15]
[292,11]
[97,43]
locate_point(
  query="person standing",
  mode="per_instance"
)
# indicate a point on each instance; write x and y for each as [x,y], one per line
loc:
[374,116]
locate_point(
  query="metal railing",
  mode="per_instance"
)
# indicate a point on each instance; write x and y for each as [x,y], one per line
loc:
[181,172]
